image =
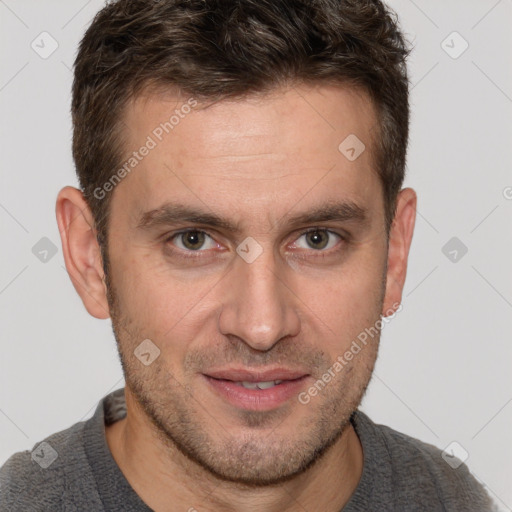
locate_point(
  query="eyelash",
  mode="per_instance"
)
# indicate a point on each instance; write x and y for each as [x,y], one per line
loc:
[197,254]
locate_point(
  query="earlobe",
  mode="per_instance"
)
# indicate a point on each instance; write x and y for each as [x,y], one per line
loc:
[81,251]
[400,239]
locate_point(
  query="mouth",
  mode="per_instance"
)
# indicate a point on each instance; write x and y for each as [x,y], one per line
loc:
[259,385]
[256,390]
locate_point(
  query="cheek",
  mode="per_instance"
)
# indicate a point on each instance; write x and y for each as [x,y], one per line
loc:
[165,304]
[160,301]
[343,304]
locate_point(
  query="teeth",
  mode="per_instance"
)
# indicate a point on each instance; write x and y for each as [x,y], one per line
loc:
[249,385]
[266,385]
[260,385]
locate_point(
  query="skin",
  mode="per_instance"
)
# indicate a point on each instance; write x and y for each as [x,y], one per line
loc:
[256,162]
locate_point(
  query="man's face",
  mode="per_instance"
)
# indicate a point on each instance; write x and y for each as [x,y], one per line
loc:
[283,307]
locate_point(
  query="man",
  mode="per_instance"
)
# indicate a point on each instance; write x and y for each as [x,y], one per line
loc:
[242,222]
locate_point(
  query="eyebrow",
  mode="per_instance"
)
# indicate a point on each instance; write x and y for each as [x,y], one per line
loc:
[175,213]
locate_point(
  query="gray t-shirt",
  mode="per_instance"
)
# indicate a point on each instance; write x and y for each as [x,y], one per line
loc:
[73,470]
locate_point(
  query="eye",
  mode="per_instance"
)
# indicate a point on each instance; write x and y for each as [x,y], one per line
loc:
[318,239]
[193,240]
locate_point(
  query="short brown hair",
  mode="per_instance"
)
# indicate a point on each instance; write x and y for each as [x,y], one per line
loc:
[216,49]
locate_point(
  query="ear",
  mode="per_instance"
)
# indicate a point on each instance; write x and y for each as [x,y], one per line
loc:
[400,238]
[82,251]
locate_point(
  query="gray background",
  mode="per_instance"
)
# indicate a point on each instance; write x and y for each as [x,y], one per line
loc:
[443,374]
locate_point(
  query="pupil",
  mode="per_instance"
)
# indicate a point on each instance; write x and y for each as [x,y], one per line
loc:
[193,239]
[318,238]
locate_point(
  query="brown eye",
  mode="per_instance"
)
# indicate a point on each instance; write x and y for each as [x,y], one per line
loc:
[193,240]
[317,239]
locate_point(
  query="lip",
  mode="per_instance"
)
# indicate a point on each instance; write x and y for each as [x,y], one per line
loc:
[223,383]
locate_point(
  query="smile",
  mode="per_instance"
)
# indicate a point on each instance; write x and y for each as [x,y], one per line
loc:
[256,391]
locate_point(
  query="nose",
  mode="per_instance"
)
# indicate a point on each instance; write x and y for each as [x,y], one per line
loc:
[257,305]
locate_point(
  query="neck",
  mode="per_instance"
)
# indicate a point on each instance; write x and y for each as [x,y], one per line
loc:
[165,479]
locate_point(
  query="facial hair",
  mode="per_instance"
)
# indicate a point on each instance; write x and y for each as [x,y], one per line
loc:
[259,454]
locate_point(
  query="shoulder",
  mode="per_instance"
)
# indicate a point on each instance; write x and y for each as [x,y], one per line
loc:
[49,474]
[417,472]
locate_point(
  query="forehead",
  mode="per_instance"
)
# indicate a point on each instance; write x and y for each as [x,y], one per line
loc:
[263,153]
